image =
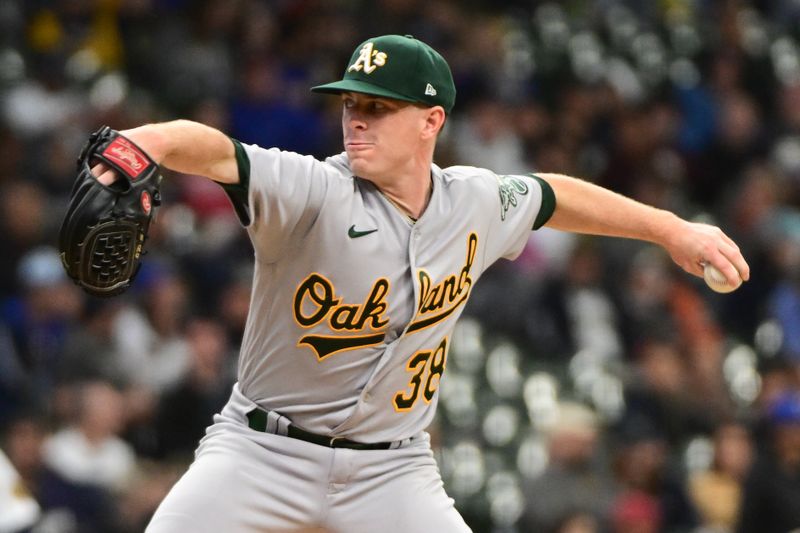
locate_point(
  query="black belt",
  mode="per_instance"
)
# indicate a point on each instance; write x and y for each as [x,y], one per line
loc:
[257,420]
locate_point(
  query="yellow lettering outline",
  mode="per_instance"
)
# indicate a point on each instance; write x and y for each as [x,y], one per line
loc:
[432,298]
[369,315]
[421,363]
[297,289]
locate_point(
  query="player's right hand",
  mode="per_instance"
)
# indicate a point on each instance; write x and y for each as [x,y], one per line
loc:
[694,244]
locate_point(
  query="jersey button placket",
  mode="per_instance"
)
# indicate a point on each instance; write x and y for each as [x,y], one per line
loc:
[412,250]
[412,261]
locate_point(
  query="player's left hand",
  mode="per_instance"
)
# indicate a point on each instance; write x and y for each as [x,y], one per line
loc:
[111,206]
[696,244]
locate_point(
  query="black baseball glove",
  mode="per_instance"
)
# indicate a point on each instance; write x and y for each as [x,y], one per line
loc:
[104,230]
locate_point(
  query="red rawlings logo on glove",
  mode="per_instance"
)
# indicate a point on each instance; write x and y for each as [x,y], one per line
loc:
[147,205]
[126,155]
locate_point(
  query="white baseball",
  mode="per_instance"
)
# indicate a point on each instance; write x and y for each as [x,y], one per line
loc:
[717,281]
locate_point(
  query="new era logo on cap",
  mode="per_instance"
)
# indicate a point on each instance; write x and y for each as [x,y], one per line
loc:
[429,90]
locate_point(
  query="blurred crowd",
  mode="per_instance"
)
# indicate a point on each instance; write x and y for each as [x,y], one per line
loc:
[592,387]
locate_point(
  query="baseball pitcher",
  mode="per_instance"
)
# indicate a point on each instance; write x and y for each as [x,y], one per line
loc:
[363,264]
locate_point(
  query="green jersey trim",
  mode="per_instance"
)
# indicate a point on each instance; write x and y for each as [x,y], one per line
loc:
[548,203]
[238,192]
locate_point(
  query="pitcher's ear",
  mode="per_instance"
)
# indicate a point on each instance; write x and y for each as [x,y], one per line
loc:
[434,121]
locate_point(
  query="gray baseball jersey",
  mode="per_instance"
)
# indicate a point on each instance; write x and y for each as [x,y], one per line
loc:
[353,303]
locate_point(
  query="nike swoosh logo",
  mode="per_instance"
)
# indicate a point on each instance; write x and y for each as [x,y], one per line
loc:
[353,233]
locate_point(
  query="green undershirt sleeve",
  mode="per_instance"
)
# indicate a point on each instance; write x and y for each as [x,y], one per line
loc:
[548,203]
[238,192]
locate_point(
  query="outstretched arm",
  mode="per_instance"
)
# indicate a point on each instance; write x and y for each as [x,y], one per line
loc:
[184,146]
[583,207]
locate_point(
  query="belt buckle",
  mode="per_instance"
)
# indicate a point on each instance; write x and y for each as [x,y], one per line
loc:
[332,442]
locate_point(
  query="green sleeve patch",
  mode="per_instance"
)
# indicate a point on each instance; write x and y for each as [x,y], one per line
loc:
[238,192]
[548,203]
[510,187]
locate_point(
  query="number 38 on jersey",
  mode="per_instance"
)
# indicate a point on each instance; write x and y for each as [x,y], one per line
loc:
[426,368]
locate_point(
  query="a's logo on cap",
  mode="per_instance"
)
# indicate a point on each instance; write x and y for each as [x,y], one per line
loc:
[429,90]
[368,59]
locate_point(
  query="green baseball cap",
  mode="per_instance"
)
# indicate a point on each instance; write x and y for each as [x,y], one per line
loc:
[400,67]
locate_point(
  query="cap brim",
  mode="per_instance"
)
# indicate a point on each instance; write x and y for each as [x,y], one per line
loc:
[357,86]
